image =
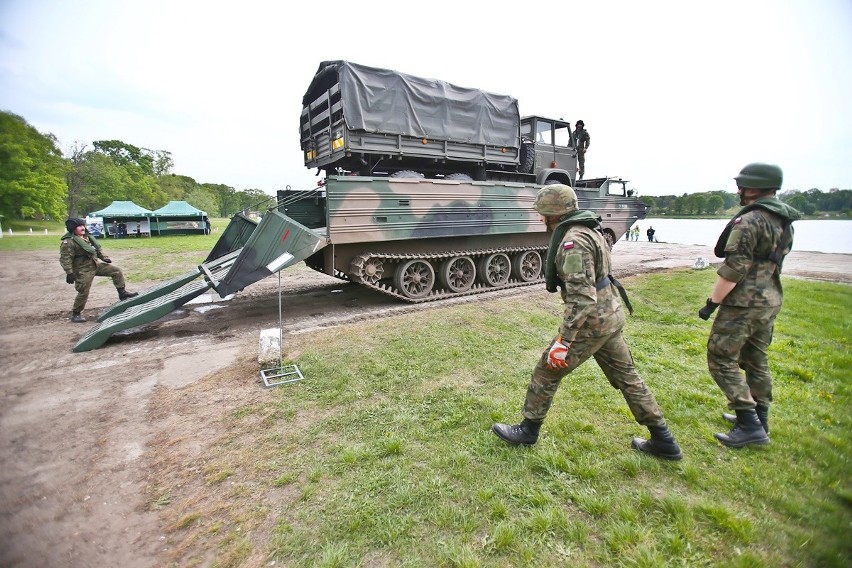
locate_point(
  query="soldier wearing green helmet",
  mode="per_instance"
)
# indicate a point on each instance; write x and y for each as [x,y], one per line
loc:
[749,296]
[579,263]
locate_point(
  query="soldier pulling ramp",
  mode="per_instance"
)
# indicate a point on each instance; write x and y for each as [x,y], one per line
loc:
[246,253]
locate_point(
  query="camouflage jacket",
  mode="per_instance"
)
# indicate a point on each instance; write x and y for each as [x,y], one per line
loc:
[73,257]
[582,138]
[582,261]
[754,235]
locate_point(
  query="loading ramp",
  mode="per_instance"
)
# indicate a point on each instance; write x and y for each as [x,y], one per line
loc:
[247,252]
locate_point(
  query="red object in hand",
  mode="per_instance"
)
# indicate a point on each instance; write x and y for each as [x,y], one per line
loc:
[557,354]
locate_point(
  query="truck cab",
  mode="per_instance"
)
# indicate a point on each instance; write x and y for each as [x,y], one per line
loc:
[548,150]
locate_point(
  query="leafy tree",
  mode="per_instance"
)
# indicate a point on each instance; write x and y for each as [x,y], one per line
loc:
[101,182]
[838,200]
[163,162]
[649,201]
[800,202]
[697,203]
[32,171]
[124,154]
[177,187]
[816,198]
[229,201]
[255,199]
[714,204]
[74,178]
[137,180]
[204,199]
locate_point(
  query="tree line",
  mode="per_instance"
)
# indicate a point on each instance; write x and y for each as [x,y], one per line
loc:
[38,181]
[836,202]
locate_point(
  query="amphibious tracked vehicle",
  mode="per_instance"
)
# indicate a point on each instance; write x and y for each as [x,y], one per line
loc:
[428,194]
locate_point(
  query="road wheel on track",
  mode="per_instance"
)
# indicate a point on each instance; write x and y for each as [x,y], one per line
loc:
[414,278]
[407,174]
[458,177]
[526,265]
[494,269]
[457,274]
[372,271]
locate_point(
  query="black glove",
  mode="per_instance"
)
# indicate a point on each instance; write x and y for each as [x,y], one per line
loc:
[69,278]
[705,312]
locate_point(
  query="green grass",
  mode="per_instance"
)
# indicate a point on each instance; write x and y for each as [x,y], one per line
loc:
[383,455]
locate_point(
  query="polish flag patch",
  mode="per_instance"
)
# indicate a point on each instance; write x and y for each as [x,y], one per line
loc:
[567,245]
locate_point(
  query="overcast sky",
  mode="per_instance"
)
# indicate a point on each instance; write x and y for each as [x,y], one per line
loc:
[677,96]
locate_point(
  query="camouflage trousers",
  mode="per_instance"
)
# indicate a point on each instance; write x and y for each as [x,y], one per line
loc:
[613,356]
[581,164]
[84,276]
[738,340]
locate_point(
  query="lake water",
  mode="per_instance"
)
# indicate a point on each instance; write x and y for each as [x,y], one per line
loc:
[833,236]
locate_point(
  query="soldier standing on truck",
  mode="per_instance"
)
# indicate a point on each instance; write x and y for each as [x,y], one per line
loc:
[581,137]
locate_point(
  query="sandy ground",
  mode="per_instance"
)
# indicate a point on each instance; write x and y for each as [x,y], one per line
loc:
[85,437]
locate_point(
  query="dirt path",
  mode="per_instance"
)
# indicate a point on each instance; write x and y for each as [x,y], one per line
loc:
[82,434]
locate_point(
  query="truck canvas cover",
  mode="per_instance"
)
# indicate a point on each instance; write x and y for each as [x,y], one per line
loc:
[388,102]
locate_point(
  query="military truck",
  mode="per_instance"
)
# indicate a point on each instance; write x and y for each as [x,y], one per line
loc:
[368,121]
[428,194]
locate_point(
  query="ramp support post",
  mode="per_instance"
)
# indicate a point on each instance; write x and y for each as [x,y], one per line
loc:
[282,374]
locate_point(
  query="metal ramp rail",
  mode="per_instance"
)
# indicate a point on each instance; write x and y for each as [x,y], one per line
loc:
[154,303]
[164,287]
[249,252]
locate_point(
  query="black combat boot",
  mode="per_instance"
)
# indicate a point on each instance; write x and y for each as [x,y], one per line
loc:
[662,444]
[123,294]
[77,317]
[524,433]
[747,430]
[762,415]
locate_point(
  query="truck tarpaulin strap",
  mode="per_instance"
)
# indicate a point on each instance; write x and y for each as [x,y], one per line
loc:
[610,279]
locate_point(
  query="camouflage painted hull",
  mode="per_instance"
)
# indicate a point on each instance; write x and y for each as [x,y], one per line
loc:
[416,239]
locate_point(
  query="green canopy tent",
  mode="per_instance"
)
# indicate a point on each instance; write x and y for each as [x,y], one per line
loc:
[120,218]
[179,217]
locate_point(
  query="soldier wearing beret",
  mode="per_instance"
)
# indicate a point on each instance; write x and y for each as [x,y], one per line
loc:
[578,262]
[748,295]
[82,259]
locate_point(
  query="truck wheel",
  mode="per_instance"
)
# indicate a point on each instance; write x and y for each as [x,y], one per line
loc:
[457,274]
[526,266]
[527,158]
[407,174]
[414,279]
[458,177]
[494,270]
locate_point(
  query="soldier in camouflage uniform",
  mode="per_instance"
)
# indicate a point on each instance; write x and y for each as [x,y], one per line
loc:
[578,262]
[583,140]
[748,295]
[81,258]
